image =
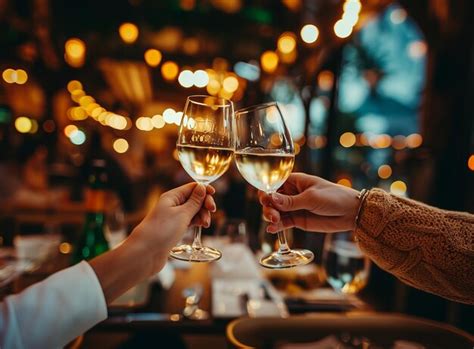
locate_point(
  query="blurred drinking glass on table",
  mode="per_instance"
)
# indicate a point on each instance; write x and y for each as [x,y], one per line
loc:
[347,268]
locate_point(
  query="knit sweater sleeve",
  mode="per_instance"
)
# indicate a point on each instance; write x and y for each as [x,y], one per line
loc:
[425,247]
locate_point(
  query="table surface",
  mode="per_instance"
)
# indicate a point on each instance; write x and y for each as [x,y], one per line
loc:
[163,309]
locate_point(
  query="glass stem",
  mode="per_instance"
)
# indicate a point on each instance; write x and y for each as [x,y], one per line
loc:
[197,238]
[284,248]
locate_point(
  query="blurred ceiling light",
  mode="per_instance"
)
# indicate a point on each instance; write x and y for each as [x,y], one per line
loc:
[158,121]
[398,16]
[345,182]
[384,171]
[417,49]
[120,145]
[23,124]
[144,123]
[269,61]
[69,129]
[186,78]
[398,188]
[169,115]
[286,42]
[309,33]
[77,137]
[414,140]
[326,80]
[21,76]
[201,78]
[169,70]
[153,57]
[213,87]
[191,46]
[74,85]
[470,162]
[247,71]
[230,84]
[352,6]
[128,32]
[342,29]
[347,139]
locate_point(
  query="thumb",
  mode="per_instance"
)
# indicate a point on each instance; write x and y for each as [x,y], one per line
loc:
[195,200]
[284,202]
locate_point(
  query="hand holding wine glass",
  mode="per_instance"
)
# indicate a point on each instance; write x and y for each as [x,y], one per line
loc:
[264,154]
[205,148]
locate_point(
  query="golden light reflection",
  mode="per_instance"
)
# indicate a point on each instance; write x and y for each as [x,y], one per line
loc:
[21,76]
[75,48]
[128,32]
[152,57]
[74,85]
[213,87]
[169,70]
[230,84]
[269,61]
[9,76]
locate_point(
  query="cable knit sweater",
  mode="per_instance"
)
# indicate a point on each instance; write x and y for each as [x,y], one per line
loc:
[425,247]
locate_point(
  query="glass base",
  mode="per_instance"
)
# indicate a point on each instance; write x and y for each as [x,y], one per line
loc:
[190,254]
[293,258]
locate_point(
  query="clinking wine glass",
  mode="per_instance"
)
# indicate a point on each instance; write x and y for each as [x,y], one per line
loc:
[264,154]
[205,148]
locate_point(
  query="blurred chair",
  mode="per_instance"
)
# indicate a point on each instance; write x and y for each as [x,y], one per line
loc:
[346,329]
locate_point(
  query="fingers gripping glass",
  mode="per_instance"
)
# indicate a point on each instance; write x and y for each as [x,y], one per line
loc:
[265,156]
[205,148]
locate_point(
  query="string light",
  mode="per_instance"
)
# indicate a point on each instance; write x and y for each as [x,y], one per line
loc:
[69,129]
[77,137]
[158,121]
[21,77]
[152,57]
[75,51]
[414,140]
[201,78]
[144,123]
[12,76]
[169,115]
[128,32]
[230,84]
[74,85]
[309,33]
[342,29]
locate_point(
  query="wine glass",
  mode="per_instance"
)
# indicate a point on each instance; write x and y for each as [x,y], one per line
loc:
[265,155]
[347,269]
[205,148]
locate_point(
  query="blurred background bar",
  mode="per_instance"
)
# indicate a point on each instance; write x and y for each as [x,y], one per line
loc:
[375,93]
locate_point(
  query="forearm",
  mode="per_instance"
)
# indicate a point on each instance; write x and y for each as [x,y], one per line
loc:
[125,266]
[428,248]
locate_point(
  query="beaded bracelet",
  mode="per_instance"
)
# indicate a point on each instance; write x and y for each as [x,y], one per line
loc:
[361,196]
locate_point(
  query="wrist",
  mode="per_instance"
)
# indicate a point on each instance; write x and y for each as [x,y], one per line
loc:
[153,257]
[361,199]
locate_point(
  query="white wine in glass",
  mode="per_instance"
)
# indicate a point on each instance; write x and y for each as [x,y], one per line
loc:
[264,154]
[205,149]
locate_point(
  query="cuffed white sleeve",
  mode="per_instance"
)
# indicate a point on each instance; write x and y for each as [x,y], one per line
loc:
[53,312]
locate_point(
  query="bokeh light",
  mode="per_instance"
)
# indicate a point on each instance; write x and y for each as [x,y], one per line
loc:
[286,43]
[414,140]
[309,33]
[120,145]
[158,121]
[384,171]
[186,78]
[152,57]
[398,188]
[169,70]
[201,78]
[23,124]
[77,137]
[144,123]
[69,129]
[342,29]
[345,182]
[269,61]
[128,32]
[347,139]
[470,162]
[74,85]
[21,76]
[230,84]
[75,48]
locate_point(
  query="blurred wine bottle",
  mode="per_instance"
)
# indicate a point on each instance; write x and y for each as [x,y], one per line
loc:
[92,242]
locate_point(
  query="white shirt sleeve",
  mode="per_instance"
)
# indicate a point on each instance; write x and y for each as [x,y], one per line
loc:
[53,312]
